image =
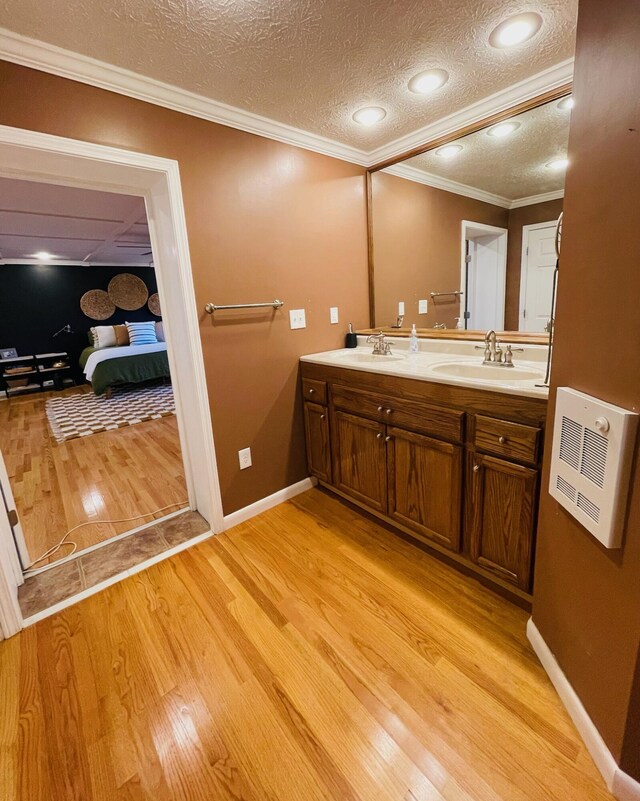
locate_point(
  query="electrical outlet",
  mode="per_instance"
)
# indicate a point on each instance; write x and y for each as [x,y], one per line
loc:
[401,307]
[244,457]
[422,307]
[333,314]
[297,318]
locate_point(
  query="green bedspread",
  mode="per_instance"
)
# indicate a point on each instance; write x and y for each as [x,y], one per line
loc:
[127,369]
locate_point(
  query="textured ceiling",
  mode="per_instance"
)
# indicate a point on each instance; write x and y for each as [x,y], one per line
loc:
[71,224]
[513,167]
[309,63]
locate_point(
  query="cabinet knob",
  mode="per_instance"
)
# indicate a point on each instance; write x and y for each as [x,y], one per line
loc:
[322,416]
[379,436]
[388,411]
[476,468]
[387,439]
[380,408]
[502,440]
[311,391]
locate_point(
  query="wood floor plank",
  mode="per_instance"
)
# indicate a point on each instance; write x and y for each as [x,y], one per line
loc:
[306,654]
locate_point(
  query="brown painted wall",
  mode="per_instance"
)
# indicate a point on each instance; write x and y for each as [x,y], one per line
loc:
[587,599]
[525,215]
[264,220]
[416,247]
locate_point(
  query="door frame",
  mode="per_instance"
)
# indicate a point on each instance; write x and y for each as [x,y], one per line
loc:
[30,155]
[526,230]
[466,225]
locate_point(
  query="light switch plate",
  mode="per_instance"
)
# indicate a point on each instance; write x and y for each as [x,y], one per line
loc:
[333,314]
[244,457]
[401,307]
[422,307]
[297,318]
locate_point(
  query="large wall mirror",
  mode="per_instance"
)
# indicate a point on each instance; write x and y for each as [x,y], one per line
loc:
[462,235]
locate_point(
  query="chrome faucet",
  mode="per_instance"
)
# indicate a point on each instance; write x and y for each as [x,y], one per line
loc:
[440,326]
[399,321]
[380,346]
[493,353]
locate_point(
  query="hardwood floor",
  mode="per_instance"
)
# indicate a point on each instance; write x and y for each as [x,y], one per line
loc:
[306,654]
[110,475]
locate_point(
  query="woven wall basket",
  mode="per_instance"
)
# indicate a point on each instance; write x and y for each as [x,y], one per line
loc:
[128,291]
[154,305]
[97,305]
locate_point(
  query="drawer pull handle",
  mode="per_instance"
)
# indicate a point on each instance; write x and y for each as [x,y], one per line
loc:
[388,411]
[502,440]
[379,436]
[380,408]
[387,439]
[322,416]
[476,468]
[311,391]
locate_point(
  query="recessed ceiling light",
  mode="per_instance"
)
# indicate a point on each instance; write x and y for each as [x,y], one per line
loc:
[42,255]
[448,151]
[567,103]
[515,30]
[369,115]
[503,129]
[558,164]
[429,81]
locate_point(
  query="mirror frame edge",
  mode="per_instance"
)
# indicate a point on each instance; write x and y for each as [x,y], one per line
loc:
[486,122]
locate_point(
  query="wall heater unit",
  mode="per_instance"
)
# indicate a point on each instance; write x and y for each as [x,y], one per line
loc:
[593,445]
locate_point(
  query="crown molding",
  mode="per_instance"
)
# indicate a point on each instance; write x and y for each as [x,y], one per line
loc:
[55,60]
[446,184]
[545,81]
[544,197]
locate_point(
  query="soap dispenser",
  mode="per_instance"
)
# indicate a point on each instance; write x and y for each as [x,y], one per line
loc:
[413,340]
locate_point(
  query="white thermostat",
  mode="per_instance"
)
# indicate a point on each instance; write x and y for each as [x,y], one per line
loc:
[593,445]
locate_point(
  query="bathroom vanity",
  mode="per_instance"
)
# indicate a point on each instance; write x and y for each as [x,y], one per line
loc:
[437,444]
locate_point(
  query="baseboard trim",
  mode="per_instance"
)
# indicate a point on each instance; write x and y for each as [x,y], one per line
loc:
[623,786]
[247,512]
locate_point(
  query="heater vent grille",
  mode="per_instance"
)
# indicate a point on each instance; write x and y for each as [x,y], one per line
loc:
[591,461]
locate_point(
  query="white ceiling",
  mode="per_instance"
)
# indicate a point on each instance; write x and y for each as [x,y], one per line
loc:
[514,167]
[74,225]
[309,63]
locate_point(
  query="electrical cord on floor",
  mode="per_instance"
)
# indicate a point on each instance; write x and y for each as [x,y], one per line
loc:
[64,541]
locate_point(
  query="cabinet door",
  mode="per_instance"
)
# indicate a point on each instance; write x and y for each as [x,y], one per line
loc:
[425,485]
[359,459]
[316,423]
[501,503]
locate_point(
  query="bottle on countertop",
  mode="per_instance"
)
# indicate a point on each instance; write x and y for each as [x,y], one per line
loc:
[351,338]
[413,340]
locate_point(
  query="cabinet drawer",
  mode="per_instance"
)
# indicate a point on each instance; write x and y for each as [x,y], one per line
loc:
[407,413]
[511,440]
[313,390]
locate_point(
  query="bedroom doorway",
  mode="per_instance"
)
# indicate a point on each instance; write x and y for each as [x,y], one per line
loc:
[71,470]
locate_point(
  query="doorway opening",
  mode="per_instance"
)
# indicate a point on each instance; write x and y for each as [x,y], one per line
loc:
[483,276]
[536,276]
[183,453]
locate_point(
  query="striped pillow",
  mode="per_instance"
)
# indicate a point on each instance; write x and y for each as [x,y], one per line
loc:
[142,333]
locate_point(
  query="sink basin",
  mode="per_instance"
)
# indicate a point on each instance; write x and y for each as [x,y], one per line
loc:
[370,358]
[487,372]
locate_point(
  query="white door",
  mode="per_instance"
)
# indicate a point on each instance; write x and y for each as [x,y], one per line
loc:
[536,281]
[10,568]
[6,500]
[485,283]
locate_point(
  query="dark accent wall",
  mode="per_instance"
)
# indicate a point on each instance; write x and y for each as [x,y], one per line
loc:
[587,598]
[38,299]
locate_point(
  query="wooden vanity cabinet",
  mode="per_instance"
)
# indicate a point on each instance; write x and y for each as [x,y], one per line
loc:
[456,468]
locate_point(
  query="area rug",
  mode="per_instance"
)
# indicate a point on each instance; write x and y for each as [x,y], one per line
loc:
[81,415]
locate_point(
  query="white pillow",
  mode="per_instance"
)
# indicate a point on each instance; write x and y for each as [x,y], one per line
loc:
[160,332]
[104,336]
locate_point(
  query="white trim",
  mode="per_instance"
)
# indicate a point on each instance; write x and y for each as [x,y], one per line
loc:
[57,61]
[447,185]
[532,200]
[5,262]
[247,512]
[74,599]
[521,92]
[623,786]
[524,256]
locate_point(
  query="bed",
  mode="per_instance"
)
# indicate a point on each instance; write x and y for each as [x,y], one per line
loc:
[109,367]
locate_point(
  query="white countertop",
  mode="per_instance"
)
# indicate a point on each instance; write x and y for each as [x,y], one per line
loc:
[435,357]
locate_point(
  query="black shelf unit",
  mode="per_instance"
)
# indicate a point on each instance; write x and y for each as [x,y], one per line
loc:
[46,371]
